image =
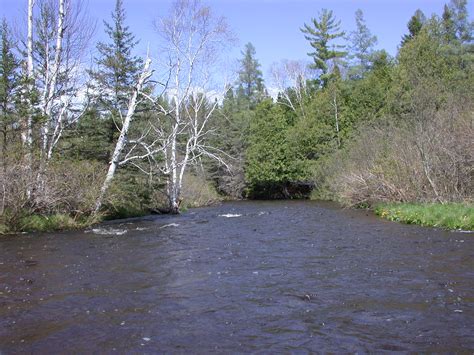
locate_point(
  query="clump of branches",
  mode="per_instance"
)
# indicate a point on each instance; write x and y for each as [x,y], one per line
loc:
[70,188]
[428,161]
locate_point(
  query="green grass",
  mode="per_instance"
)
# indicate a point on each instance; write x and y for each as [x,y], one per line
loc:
[55,222]
[449,216]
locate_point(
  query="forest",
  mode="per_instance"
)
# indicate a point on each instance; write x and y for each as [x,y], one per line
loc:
[128,135]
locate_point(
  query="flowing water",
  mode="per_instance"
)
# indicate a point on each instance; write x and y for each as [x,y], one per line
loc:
[261,277]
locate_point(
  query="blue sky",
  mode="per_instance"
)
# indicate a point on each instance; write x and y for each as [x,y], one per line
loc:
[271,25]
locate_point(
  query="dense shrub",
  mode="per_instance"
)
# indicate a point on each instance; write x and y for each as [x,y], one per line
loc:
[64,187]
[430,161]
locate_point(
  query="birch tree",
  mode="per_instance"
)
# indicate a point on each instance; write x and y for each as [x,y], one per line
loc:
[290,78]
[28,139]
[193,38]
[62,36]
[122,140]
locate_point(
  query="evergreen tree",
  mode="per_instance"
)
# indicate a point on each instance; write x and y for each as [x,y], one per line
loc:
[250,82]
[231,124]
[462,26]
[9,81]
[447,26]
[414,26]
[112,82]
[268,166]
[321,35]
[117,67]
[363,43]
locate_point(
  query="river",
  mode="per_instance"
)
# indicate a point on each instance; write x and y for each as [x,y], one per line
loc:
[267,277]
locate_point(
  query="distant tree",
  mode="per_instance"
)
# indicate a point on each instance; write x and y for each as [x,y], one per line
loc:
[117,68]
[250,81]
[414,26]
[321,35]
[448,27]
[460,17]
[363,43]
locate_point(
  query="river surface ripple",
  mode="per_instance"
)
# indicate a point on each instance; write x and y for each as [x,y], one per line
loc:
[264,277]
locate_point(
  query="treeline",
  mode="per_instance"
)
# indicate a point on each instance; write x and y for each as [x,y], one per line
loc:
[357,125]
[129,135]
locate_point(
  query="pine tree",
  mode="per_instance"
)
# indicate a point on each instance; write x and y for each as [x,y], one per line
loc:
[447,25]
[250,82]
[112,83]
[9,81]
[462,26]
[321,35]
[363,42]
[414,26]
[117,69]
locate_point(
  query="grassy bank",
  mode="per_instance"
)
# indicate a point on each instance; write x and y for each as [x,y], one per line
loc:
[450,216]
[50,223]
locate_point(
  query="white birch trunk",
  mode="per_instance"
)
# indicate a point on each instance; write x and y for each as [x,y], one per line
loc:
[173,191]
[122,140]
[336,117]
[27,133]
[54,78]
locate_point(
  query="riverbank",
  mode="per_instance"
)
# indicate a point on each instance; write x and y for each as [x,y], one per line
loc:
[454,216]
[448,216]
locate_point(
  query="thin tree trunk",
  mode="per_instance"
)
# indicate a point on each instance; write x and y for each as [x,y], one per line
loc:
[54,79]
[27,132]
[122,140]
[336,117]
[173,193]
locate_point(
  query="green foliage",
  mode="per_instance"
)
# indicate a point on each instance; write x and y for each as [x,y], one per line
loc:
[428,75]
[270,160]
[9,85]
[450,216]
[321,36]
[250,82]
[92,138]
[313,136]
[366,99]
[232,124]
[460,21]
[373,129]
[198,192]
[363,43]
[414,26]
[45,223]
[129,196]
[448,26]
[117,68]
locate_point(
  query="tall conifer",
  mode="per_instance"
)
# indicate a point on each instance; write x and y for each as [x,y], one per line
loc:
[117,67]
[321,36]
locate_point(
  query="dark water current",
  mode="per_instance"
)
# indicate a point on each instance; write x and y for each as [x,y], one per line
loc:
[268,277]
